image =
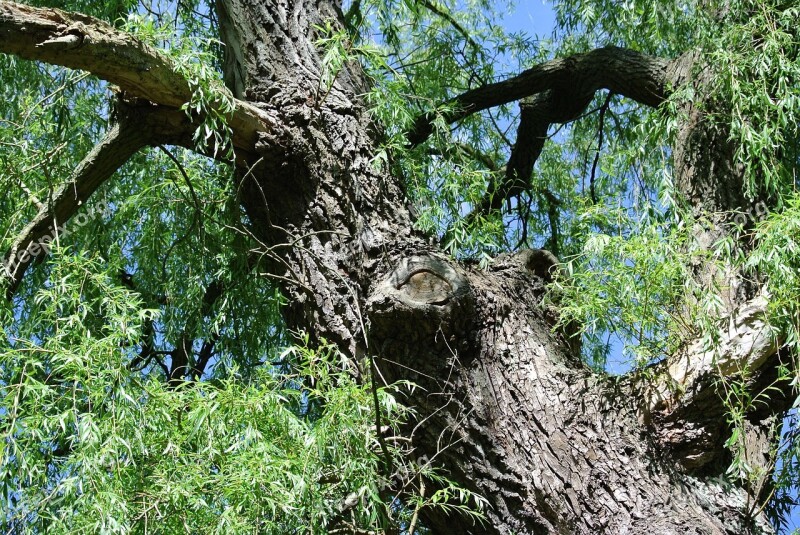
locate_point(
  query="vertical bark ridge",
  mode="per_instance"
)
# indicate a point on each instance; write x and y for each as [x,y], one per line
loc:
[315,183]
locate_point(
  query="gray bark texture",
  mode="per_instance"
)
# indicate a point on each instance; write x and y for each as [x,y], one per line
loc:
[504,403]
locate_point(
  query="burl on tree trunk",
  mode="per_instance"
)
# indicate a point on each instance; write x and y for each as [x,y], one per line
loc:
[503,404]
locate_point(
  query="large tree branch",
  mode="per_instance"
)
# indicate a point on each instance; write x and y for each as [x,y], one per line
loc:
[685,400]
[632,74]
[557,91]
[137,126]
[745,342]
[81,42]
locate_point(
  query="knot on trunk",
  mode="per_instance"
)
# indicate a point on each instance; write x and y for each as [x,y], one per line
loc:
[423,298]
[539,262]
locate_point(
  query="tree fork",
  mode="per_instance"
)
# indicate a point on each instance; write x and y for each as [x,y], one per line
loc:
[501,404]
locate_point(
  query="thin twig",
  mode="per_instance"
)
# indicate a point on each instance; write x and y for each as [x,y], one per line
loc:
[412,525]
[601,122]
[453,22]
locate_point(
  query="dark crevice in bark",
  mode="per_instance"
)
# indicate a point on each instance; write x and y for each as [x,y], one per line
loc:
[694,433]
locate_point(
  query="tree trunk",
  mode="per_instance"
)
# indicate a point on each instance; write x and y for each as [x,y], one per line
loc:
[502,404]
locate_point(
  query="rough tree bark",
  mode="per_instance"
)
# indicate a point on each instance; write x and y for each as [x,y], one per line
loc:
[504,405]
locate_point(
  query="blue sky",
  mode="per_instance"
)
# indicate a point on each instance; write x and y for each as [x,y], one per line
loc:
[535,17]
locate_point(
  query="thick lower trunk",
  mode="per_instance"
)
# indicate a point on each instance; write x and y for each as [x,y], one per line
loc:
[555,448]
[502,405]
